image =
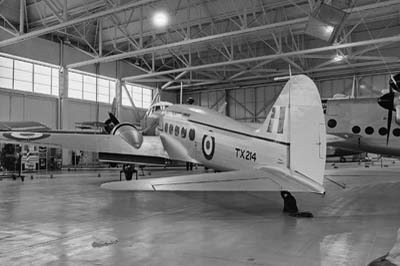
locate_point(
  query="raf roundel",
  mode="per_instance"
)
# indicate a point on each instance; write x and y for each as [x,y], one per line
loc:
[208,146]
[25,135]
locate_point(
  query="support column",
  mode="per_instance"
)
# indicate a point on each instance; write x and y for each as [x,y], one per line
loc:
[118,96]
[62,86]
[21,16]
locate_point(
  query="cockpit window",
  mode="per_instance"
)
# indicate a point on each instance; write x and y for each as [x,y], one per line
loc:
[171,129]
[176,131]
[166,128]
[157,108]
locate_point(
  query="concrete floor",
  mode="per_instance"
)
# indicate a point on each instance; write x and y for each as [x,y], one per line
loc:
[69,220]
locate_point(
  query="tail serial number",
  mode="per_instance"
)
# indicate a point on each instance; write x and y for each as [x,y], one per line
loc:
[245,155]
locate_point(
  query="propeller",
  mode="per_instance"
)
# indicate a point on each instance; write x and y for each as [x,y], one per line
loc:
[387,101]
[110,123]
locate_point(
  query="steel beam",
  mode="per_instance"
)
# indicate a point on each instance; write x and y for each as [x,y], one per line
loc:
[391,39]
[186,42]
[218,36]
[166,85]
[71,22]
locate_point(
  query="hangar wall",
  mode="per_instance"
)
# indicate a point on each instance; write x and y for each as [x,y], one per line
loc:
[250,104]
[23,106]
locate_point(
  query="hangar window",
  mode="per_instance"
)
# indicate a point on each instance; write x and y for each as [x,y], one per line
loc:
[332,123]
[28,75]
[382,131]
[6,72]
[356,129]
[396,132]
[141,96]
[171,129]
[192,134]
[176,131]
[166,128]
[369,130]
[42,78]
[75,85]
[23,76]
[105,90]
[90,87]
[183,132]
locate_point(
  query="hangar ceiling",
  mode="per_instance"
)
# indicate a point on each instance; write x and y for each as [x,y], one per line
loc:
[213,41]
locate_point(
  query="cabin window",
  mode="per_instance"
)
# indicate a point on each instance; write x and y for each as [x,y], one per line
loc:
[369,130]
[183,132]
[171,129]
[356,129]
[192,134]
[382,131]
[396,132]
[166,128]
[176,131]
[332,123]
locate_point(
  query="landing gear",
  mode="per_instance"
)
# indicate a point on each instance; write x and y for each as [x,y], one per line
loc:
[290,206]
[128,170]
[289,202]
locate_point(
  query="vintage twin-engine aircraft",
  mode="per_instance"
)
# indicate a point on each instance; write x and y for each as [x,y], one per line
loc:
[363,125]
[286,153]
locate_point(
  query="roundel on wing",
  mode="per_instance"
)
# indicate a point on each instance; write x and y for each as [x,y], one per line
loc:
[26,135]
[208,146]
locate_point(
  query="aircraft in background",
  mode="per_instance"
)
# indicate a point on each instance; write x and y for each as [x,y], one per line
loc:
[365,124]
[286,153]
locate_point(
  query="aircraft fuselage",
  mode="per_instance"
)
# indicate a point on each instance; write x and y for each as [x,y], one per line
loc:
[361,125]
[216,141]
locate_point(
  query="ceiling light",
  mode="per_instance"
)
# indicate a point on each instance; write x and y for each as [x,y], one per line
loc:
[328,29]
[160,19]
[338,58]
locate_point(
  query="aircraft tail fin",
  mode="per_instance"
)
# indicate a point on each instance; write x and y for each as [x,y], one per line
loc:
[297,120]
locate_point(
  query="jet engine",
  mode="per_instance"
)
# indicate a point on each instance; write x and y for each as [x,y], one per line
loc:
[129,134]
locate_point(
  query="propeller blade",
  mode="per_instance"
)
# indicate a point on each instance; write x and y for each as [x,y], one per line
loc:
[113,119]
[389,124]
[386,101]
[394,82]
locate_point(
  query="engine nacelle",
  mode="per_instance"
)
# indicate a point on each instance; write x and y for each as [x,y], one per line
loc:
[129,134]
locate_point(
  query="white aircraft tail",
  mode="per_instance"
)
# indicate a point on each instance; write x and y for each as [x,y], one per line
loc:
[297,120]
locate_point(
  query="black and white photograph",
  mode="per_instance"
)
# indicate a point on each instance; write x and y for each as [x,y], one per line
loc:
[200,132]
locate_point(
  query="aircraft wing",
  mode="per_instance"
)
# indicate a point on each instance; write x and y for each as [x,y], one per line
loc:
[87,141]
[23,125]
[265,179]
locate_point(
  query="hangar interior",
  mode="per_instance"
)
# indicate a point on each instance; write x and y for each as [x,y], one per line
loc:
[63,62]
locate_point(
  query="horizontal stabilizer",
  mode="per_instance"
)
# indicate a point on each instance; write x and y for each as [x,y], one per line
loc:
[246,180]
